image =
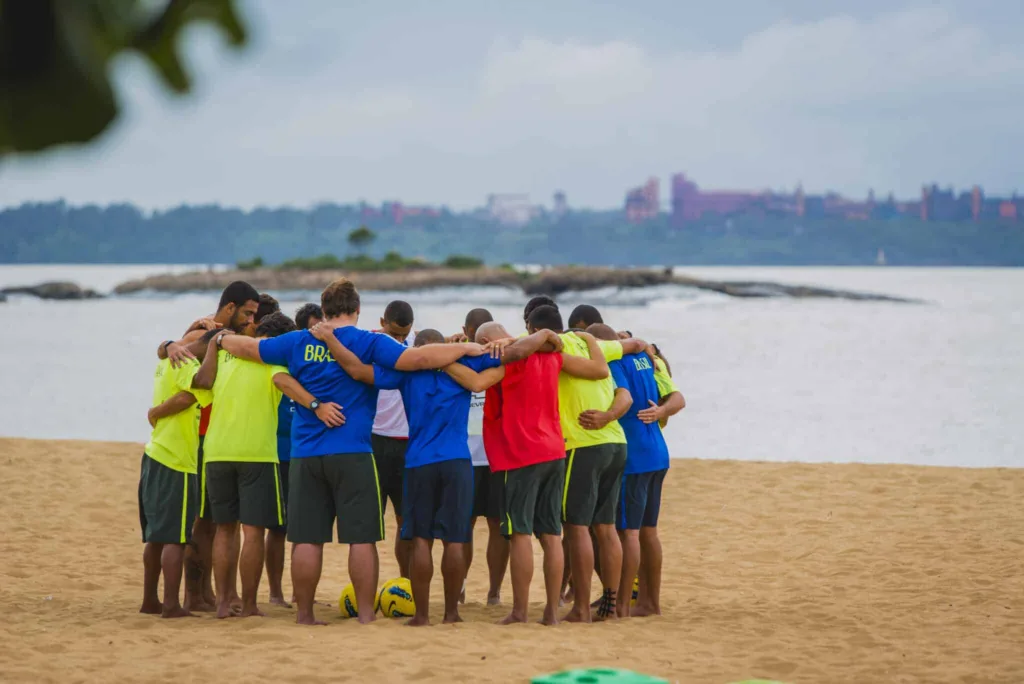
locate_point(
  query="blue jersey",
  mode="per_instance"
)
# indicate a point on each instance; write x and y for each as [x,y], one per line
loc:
[437,408]
[284,429]
[309,362]
[646,448]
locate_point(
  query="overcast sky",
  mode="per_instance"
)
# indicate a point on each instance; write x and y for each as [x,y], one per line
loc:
[445,101]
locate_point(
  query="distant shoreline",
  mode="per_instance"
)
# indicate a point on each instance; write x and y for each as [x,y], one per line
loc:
[551,281]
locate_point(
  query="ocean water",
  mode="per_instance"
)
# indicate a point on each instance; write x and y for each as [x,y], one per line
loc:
[938,383]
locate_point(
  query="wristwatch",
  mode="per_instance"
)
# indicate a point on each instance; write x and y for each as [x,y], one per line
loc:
[314,405]
[220,340]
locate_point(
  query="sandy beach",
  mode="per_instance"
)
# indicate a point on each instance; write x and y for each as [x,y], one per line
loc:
[801,573]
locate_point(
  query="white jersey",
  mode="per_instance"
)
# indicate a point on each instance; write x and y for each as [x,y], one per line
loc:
[476,429]
[390,420]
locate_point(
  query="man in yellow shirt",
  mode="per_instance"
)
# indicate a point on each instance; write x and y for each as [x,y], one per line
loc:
[168,493]
[595,460]
[242,474]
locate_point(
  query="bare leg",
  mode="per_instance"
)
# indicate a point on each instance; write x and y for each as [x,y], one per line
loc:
[521,565]
[497,560]
[223,543]
[233,598]
[364,569]
[630,540]
[453,571]
[610,549]
[307,564]
[553,562]
[468,553]
[172,559]
[251,565]
[275,566]
[403,549]
[581,559]
[567,592]
[151,579]
[198,568]
[421,568]
[649,600]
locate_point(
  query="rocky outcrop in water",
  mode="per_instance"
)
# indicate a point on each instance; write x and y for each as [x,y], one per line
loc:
[53,290]
[551,281]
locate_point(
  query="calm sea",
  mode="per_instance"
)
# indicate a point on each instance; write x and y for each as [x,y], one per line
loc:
[780,380]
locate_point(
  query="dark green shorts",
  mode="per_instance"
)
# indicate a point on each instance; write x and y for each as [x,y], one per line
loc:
[389,452]
[340,487]
[204,496]
[530,499]
[245,492]
[167,503]
[593,478]
[487,488]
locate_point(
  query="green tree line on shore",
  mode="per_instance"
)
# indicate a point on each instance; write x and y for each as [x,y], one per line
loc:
[55,232]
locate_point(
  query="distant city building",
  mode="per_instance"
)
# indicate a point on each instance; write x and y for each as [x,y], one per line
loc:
[561,207]
[643,203]
[398,211]
[510,210]
[690,203]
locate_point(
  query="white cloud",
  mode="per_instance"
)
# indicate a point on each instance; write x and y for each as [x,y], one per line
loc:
[841,103]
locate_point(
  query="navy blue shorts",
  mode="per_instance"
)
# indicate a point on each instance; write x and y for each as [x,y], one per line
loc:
[438,501]
[640,500]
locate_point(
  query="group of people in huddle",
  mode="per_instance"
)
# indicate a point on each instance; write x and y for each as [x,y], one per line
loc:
[267,429]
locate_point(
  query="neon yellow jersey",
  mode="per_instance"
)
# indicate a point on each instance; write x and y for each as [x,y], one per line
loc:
[666,385]
[576,395]
[243,421]
[175,439]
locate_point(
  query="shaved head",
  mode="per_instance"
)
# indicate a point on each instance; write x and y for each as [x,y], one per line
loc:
[603,332]
[428,336]
[491,331]
[475,319]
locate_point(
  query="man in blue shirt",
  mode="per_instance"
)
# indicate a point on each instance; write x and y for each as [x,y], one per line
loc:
[646,466]
[332,470]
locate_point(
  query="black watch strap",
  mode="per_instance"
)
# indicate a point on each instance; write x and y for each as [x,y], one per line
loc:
[314,405]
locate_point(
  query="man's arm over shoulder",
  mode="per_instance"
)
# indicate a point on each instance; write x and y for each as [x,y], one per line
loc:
[431,356]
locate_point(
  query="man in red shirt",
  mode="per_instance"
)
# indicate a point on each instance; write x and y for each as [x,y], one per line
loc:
[523,439]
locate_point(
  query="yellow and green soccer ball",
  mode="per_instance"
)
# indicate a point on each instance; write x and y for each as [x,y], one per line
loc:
[395,599]
[636,590]
[347,602]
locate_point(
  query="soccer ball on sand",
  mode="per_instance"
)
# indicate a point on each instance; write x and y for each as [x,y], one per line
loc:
[395,598]
[347,602]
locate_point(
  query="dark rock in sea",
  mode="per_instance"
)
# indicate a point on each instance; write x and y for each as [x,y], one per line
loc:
[54,290]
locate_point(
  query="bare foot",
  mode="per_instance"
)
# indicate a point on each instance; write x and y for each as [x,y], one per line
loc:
[367,619]
[512,619]
[453,618]
[152,607]
[226,611]
[200,606]
[254,611]
[550,619]
[643,611]
[279,601]
[577,616]
[494,600]
[606,618]
[301,619]
[176,612]
[418,622]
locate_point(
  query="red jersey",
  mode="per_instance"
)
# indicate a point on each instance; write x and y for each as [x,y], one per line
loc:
[524,421]
[204,419]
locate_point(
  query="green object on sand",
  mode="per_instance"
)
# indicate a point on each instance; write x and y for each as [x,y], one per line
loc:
[597,676]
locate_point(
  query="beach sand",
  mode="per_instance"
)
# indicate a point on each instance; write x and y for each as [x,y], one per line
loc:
[801,573]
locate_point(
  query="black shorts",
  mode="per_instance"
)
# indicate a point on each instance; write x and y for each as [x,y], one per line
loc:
[640,501]
[167,503]
[389,453]
[530,499]
[245,492]
[282,469]
[204,496]
[487,492]
[439,501]
[593,477]
[338,487]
